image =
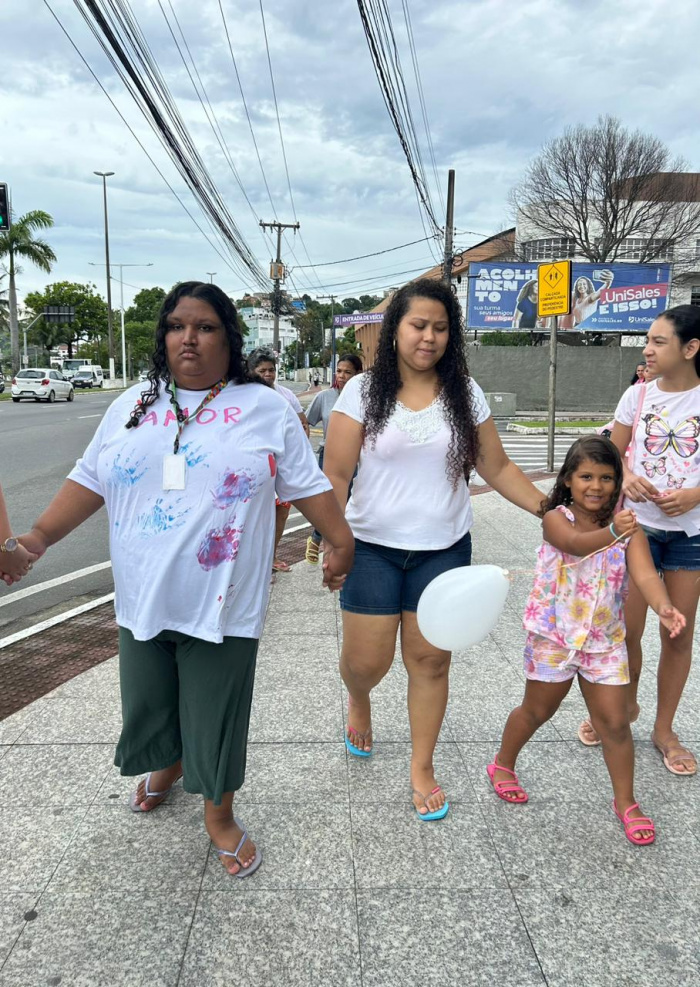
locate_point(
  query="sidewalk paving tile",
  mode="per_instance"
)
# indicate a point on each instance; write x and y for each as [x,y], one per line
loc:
[394,849]
[315,714]
[33,840]
[133,938]
[53,774]
[306,774]
[438,937]
[582,844]
[13,908]
[642,936]
[75,720]
[304,848]
[116,849]
[265,938]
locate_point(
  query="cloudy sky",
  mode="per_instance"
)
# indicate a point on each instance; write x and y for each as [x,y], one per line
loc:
[499,76]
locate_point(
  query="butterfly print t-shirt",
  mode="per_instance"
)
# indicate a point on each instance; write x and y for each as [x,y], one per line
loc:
[665,448]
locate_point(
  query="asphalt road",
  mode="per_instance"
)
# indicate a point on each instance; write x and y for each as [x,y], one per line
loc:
[39,444]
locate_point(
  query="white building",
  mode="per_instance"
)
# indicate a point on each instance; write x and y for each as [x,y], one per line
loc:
[260,324]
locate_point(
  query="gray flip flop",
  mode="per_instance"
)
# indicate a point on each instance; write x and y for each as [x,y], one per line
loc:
[244,871]
[136,806]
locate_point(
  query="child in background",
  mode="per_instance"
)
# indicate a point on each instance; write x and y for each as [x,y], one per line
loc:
[575,622]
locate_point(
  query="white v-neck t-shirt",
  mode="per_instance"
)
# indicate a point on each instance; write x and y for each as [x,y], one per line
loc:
[197,560]
[402,496]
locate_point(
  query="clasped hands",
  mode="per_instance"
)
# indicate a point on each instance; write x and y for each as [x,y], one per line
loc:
[672,502]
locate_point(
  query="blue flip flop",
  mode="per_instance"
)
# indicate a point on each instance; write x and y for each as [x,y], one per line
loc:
[244,871]
[431,816]
[357,751]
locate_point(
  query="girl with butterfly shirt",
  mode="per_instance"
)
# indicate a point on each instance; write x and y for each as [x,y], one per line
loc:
[662,484]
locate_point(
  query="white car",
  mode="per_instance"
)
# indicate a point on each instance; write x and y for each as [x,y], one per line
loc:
[41,384]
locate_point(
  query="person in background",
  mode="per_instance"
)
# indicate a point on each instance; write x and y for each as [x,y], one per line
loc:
[320,411]
[187,469]
[262,363]
[662,486]
[15,560]
[417,425]
[638,375]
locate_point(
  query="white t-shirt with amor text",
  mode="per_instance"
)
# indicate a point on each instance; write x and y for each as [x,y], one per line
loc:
[665,449]
[197,560]
[402,496]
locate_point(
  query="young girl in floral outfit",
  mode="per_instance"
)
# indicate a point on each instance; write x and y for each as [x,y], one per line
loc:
[575,622]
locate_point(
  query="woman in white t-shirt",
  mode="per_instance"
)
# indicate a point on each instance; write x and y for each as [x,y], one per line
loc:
[261,362]
[187,470]
[662,486]
[416,425]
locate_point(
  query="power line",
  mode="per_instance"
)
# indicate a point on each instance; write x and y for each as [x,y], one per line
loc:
[140,143]
[120,37]
[347,260]
[279,128]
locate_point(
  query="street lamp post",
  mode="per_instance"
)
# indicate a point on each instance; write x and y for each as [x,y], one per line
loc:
[211,276]
[104,175]
[121,307]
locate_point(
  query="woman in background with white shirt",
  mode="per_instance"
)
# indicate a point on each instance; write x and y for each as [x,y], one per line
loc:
[662,486]
[410,509]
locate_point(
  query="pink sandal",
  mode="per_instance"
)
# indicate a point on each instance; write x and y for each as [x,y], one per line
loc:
[632,826]
[501,787]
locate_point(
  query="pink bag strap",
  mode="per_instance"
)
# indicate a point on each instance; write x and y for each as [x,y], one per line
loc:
[629,455]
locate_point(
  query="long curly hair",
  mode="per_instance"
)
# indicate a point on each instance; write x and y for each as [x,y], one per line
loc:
[384,380]
[160,372]
[598,449]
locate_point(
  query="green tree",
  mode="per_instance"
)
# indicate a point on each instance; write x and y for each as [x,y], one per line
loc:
[140,338]
[146,305]
[90,319]
[21,242]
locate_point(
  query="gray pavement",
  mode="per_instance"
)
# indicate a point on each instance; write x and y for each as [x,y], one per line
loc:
[353,889]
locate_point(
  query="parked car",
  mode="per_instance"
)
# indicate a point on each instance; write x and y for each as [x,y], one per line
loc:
[41,384]
[2,382]
[143,376]
[86,378]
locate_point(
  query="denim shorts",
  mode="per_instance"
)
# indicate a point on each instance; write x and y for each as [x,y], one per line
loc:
[386,581]
[673,550]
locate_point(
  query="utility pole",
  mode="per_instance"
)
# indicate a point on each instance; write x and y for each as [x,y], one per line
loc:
[277,275]
[332,299]
[121,307]
[449,227]
[104,175]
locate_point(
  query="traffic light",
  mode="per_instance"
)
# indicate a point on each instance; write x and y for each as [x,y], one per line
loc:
[5,221]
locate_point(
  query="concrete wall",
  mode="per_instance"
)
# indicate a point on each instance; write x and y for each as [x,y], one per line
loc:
[589,379]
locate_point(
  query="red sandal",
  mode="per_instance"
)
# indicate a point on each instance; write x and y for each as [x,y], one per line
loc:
[632,826]
[501,787]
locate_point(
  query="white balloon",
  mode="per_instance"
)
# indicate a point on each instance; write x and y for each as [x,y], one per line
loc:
[461,607]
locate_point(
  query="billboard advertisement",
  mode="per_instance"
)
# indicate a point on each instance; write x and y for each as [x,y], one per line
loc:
[604,297]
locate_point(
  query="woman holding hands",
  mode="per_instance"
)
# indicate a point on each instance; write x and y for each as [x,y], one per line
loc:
[415,426]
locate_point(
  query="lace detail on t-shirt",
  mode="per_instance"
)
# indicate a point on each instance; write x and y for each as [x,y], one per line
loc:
[419,426]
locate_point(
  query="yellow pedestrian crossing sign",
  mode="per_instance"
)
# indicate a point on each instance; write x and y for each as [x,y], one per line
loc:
[554,288]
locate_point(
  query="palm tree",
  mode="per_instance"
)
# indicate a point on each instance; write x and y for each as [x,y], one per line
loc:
[20,241]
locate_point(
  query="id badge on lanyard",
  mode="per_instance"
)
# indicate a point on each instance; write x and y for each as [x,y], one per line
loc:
[175,462]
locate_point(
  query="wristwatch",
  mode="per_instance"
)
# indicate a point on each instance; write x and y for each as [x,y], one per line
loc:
[9,545]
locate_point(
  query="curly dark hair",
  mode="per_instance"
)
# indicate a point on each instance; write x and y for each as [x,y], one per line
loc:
[599,450]
[160,372]
[384,381]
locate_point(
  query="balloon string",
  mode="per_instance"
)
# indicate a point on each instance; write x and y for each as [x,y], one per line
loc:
[567,565]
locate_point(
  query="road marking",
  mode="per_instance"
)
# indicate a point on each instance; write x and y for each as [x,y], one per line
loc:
[88,416]
[298,527]
[21,594]
[52,621]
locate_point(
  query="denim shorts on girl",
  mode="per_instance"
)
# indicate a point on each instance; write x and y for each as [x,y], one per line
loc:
[673,550]
[547,661]
[385,581]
